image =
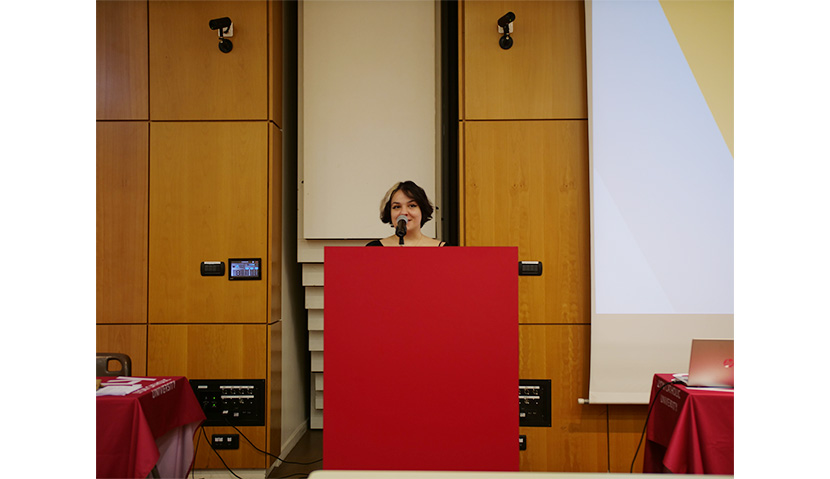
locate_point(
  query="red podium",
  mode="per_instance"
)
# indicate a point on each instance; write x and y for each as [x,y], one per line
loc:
[421,359]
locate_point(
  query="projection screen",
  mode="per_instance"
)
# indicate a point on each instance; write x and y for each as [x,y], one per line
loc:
[660,131]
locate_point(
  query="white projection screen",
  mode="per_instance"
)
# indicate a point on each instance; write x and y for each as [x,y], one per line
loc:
[660,77]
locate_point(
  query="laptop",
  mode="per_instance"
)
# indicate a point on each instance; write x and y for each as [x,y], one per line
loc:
[712,363]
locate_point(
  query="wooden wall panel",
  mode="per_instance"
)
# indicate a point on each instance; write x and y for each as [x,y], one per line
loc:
[129,339]
[275,55]
[576,440]
[191,79]
[542,76]
[526,185]
[214,351]
[121,60]
[208,351]
[275,221]
[626,422]
[208,202]
[121,221]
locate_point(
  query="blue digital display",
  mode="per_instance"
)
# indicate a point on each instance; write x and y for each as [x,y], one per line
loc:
[245,268]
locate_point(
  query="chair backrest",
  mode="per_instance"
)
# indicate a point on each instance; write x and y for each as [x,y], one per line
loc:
[102,364]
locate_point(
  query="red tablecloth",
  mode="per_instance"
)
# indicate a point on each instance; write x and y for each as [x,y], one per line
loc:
[690,431]
[130,428]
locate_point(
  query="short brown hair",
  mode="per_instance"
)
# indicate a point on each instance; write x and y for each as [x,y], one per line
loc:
[412,191]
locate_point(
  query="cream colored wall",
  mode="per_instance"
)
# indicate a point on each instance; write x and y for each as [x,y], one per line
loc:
[368,110]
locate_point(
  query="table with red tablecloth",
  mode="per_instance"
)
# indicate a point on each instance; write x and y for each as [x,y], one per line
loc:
[690,430]
[152,426]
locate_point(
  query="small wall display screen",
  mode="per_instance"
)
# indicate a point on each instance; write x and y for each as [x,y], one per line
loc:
[245,269]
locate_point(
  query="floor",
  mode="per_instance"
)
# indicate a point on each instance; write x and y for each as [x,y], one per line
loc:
[306,456]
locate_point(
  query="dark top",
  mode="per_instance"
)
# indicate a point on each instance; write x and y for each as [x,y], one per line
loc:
[378,243]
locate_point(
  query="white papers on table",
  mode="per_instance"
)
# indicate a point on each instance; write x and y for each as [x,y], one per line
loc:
[121,386]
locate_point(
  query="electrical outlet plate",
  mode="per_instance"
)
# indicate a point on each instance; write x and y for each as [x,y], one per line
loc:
[225,441]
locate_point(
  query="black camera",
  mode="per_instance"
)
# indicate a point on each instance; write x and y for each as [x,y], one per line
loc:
[220,23]
[506,20]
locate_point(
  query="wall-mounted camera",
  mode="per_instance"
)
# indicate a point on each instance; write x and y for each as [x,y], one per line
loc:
[506,28]
[225,27]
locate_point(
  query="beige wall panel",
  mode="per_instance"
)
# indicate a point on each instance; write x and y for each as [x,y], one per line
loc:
[190,78]
[121,222]
[129,339]
[367,112]
[526,185]
[208,202]
[121,60]
[208,351]
[625,424]
[542,76]
[576,440]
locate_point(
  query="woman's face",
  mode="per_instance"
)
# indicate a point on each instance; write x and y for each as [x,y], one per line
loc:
[406,206]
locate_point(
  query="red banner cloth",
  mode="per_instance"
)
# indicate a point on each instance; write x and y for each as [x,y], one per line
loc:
[690,431]
[127,426]
[422,362]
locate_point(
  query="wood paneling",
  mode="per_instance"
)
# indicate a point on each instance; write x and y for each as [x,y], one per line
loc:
[626,422]
[190,78]
[275,55]
[121,60]
[526,185]
[215,351]
[187,188]
[576,440]
[208,351]
[208,202]
[275,221]
[542,76]
[121,222]
[129,339]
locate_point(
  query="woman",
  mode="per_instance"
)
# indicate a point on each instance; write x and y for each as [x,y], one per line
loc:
[406,199]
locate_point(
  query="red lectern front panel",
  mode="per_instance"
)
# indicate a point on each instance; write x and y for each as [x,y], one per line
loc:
[421,359]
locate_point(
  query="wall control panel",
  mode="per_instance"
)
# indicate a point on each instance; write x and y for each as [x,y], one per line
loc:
[237,402]
[212,268]
[530,268]
[534,402]
[245,269]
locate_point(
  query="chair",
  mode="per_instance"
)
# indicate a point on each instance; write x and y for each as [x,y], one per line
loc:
[102,362]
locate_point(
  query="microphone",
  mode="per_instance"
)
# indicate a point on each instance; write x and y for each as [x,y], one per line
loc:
[400,229]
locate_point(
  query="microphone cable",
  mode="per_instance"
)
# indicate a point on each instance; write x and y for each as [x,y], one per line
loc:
[268,453]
